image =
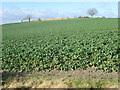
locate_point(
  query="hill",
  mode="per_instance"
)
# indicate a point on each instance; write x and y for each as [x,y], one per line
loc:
[74,53]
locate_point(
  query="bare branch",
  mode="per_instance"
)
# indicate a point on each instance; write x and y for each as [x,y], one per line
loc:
[92,12]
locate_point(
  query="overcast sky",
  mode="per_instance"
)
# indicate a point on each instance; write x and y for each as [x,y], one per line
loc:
[16,11]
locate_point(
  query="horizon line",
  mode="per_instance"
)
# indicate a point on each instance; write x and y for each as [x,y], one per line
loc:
[45,19]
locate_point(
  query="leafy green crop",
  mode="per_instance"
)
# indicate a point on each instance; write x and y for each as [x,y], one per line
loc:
[61,45]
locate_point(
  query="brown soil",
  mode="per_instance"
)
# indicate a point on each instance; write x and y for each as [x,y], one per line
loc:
[75,73]
[48,19]
[80,73]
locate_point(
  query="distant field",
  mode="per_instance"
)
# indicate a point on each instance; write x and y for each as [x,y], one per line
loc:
[75,44]
[49,19]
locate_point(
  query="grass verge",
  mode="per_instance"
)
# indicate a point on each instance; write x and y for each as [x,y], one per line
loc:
[43,80]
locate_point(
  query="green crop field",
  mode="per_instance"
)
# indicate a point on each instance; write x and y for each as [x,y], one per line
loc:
[61,45]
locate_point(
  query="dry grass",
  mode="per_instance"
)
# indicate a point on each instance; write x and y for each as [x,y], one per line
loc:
[61,79]
[38,81]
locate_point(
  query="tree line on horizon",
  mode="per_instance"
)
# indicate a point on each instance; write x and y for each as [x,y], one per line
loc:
[91,12]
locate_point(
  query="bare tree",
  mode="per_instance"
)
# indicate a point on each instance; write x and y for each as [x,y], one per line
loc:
[28,17]
[39,19]
[92,12]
